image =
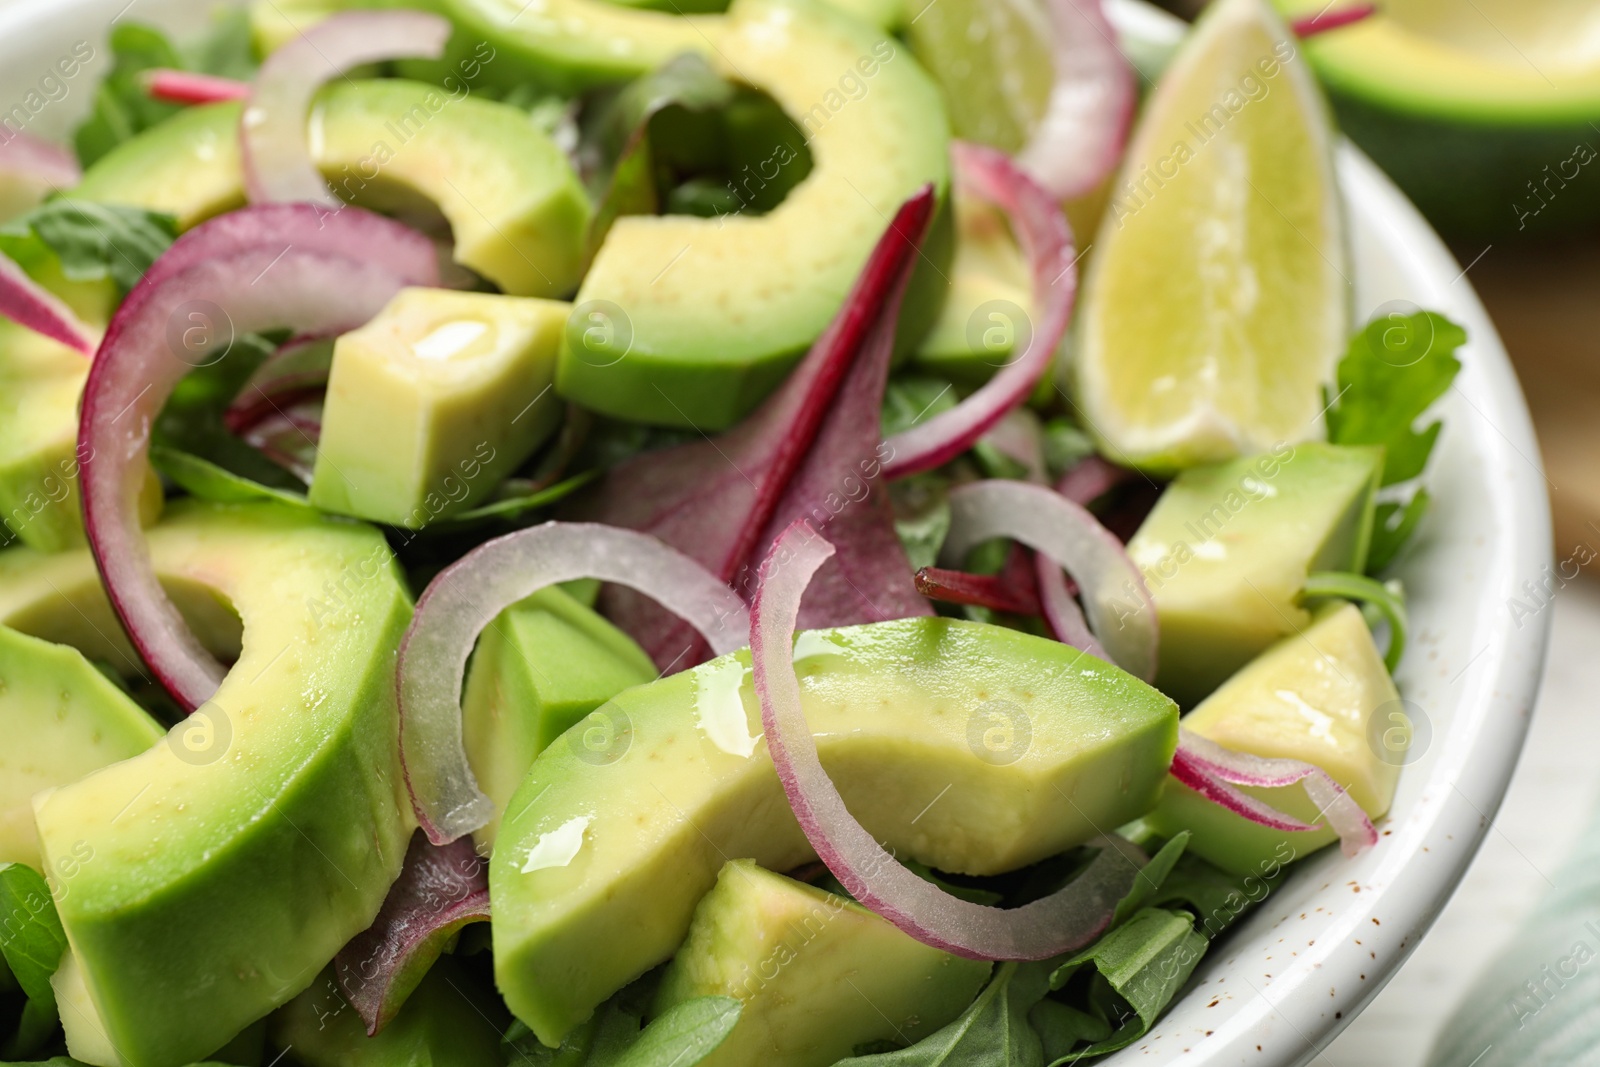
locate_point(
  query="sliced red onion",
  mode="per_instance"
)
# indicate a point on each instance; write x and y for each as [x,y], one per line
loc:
[1090,479]
[29,304]
[1332,19]
[187,87]
[1060,608]
[305,269]
[1061,922]
[1080,139]
[1046,238]
[27,156]
[1121,612]
[1218,769]
[273,140]
[1019,436]
[993,591]
[441,888]
[467,595]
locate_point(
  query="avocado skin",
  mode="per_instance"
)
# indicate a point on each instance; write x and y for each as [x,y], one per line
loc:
[1471,179]
[818,973]
[221,889]
[902,710]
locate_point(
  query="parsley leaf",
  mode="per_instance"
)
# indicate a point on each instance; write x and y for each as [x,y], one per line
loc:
[92,241]
[31,942]
[1395,369]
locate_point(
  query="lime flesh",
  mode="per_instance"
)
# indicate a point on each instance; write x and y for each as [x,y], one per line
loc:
[1216,302]
[992,59]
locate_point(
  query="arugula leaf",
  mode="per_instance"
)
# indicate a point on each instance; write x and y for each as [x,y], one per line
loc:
[1216,898]
[1151,878]
[31,941]
[910,399]
[1392,528]
[1394,370]
[921,516]
[1126,979]
[1065,446]
[92,241]
[123,109]
[993,1032]
[681,1036]
[205,480]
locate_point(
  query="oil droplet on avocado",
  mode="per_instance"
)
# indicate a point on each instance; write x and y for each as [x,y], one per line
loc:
[449,340]
[559,847]
[719,708]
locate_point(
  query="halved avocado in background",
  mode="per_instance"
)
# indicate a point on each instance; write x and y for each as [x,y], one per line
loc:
[1485,113]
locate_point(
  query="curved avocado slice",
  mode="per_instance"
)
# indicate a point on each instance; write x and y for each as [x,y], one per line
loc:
[61,718]
[1323,696]
[41,382]
[1505,91]
[278,800]
[818,973]
[685,321]
[516,208]
[971,748]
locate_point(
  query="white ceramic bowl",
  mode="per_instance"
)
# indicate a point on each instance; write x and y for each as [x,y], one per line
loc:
[1279,986]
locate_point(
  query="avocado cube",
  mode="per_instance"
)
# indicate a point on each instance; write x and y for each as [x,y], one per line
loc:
[61,719]
[543,665]
[985,320]
[817,973]
[435,401]
[1323,696]
[1227,548]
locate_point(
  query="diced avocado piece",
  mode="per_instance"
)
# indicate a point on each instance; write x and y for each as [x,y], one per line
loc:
[971,748]
[818,973]
[1323,696]
[61,718]
[41,382]
[230,862]
[989,307]
[1227,548]
[540,667]
[451,1020]
[433,402]
[515,206]
[686,321]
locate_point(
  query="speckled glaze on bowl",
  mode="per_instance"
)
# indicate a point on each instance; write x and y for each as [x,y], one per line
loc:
[1322,944]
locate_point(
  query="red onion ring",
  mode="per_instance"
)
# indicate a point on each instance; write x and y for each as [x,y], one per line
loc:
[272,129]
[27,156]
[1081,137]
[306,269]
[1090,479]
[1045,236]
[1061,922]
[1213,771]
[188,87]
[1332,19]
[27,303]
[440,890]
[1121,612]
[467,596]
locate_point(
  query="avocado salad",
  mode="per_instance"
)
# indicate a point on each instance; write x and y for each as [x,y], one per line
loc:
[581,533]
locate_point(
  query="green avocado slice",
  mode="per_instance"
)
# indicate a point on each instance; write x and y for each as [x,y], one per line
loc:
[61,718]
[971,748]
[515,206]
[1226,550]
[691,322]
[228,864]
[542,666]
[818,973]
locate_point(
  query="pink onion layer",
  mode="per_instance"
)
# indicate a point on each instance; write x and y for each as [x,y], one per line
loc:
[1332,19]
[1121,613]
[187,87]
[1061,922]
[1045,237]
[26,156]
[1090,479]
[273,142]
[440,890]
[1086,123]
[465,598]
[1213,771]
[29,304]
[252,270]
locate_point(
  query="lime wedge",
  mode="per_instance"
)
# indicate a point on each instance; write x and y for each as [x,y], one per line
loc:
[993,60]
[1216,301]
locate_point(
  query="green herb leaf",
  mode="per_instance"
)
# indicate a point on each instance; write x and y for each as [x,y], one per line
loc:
[1215,897]
[1393,526]
[92,241]
[1065,446]
[921,516]
[1126,979]
[681,1036]
[31,937]
[205,480]
[993,1032]
[1394,370]
[1151,878]
[910,399]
